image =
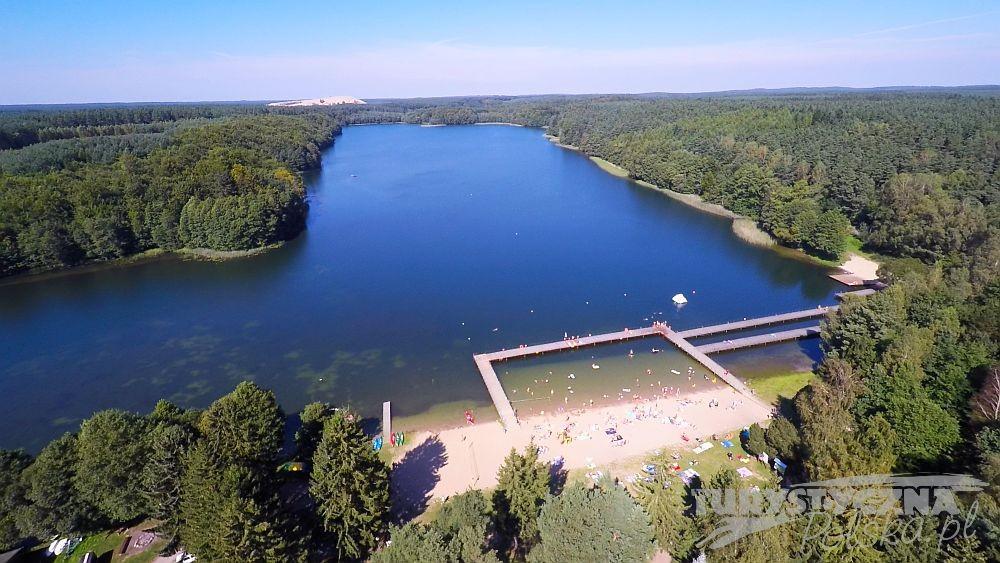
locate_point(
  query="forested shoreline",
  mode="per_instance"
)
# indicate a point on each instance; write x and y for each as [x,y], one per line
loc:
[909,174]
[904,174]
[909,383]
[103,184]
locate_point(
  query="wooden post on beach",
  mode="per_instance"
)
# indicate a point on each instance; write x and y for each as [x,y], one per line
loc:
[386,419]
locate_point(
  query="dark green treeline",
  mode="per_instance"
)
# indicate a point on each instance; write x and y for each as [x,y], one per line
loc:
[225,183]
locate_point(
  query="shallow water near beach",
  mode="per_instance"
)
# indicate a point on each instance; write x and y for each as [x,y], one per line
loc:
[423,247]
[602,375]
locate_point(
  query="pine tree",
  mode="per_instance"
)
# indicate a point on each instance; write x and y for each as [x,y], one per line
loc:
[54,506]
[350,486]
[12,464]
[202,504]
[307,436]
[245,426]
[414,542]
[231,513]
[464,520]
[756,443]
[752,545]
[593,525]
[666,509]
[260,529]
[161,476]
[783,438]
[966,549]
[111,450]
[523,483]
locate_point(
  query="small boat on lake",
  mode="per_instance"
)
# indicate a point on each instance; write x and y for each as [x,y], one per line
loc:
[595,366]
[656,350]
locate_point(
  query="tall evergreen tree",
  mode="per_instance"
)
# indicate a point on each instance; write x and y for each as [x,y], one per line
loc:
[12,464]
[523,483]
[966,549]
[465,522]
[111,450]
[203,504]
[593,525]
[350,486]
[231,513]
[665,506]
[245,426]
[783,438]
[307,436]
[415,542]
[53,504]
[754,547]
[834,443]
[161,476]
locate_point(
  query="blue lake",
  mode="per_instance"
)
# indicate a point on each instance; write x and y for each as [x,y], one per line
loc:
[424,245]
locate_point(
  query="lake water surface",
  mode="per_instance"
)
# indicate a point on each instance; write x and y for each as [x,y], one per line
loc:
[424,246]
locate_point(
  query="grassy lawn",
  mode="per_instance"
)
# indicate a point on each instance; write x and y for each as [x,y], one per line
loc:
[852,245]
[781,386]
[104,545]
[98,543]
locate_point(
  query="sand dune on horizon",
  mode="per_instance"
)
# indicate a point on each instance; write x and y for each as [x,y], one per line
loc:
[327,101]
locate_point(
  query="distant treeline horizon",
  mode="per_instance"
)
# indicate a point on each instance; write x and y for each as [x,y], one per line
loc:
[786,90]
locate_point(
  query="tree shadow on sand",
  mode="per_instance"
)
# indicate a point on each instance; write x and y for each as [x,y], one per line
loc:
[414,477]
[557,477]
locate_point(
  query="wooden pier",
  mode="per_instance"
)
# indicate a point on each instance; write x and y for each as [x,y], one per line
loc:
[570,344]
[499,396]
[678,338]
[708,363]
[760,340]
[745,324]
[509,418]
[485,363]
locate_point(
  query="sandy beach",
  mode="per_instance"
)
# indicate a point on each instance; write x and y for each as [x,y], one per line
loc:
[864,268]
[441,464]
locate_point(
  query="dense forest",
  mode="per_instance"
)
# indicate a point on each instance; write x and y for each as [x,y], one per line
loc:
[101,184]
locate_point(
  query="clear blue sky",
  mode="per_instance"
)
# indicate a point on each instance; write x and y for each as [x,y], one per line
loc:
[55,51]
